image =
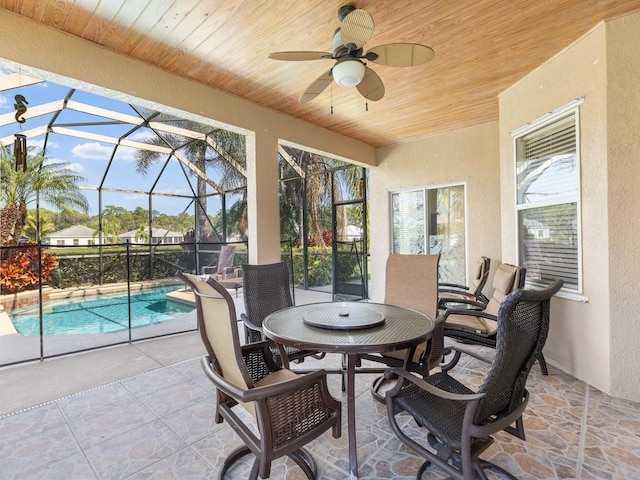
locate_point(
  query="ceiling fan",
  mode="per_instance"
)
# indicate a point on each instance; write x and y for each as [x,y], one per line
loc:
[349,69]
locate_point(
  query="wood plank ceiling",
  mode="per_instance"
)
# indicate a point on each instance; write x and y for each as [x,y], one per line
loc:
[482,47]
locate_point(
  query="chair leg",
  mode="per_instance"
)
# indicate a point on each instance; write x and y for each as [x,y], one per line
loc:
[233,457]
[485,465]
[377,384]
[301,457]
[422,469]
[543,364]
[305,461]
[445,367]
[255,469]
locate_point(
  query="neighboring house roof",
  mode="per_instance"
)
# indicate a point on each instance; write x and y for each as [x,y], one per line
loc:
[155,232]
[76,231]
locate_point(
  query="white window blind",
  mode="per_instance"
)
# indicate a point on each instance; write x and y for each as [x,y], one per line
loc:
[547,180]
[408,230]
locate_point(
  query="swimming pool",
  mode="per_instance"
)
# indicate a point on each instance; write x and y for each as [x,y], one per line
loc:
[101,315]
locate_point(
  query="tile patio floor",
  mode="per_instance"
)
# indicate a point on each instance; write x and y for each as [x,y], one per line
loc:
[145,411]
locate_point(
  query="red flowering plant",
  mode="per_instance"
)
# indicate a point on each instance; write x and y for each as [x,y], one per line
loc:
[19,267]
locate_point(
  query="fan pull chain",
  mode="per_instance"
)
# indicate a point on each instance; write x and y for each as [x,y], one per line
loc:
[331,92]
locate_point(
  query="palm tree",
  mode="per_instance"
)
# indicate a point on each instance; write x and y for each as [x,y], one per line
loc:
[110,231]
[142,234]
[54,182]
[37,228]
[317,170]
[203,156]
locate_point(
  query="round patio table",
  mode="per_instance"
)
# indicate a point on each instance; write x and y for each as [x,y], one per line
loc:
[351,329]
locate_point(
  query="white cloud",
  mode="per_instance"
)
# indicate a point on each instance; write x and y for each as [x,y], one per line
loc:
[141,136]
[93,150]
[126,153]
[97,151]
[76,167]
[175,191]
[39,144]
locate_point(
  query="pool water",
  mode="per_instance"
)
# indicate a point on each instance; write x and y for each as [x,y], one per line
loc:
[103,315]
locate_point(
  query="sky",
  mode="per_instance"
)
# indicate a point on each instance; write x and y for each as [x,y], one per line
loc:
[89,157]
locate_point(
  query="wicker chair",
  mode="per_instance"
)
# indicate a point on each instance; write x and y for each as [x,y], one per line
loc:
[266,289]
[460,421]
[289,409]
[452,292]
[478,324]
[412,282]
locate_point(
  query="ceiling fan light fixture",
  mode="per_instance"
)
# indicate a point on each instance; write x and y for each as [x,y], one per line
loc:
[348,73]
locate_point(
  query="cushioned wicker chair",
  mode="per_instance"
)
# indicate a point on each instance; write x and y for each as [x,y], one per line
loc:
[478,324]
[460,421]
[266,289]
[289,409]
[452,292]
[412,282]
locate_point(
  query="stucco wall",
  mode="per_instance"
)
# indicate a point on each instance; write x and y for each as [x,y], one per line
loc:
[623,153]
[469,156]
[594,340]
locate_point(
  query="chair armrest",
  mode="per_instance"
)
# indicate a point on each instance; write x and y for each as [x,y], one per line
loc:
[467,301]
[460,293]
[218,380]
[300,382]
[259,360]
[452,286]
[470,313]
[471,354]
[247,323]
[407,376]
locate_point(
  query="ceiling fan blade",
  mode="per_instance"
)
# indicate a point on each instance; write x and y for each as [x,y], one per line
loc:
[402,54]
[371,86]
[299,56]
[317,87]
[356,28]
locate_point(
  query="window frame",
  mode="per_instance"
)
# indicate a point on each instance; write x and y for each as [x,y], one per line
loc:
[546,121]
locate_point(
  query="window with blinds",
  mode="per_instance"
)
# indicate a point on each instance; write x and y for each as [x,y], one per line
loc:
[430,221]
[547,187]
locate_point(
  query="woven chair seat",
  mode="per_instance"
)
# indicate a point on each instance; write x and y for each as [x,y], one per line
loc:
[417,402]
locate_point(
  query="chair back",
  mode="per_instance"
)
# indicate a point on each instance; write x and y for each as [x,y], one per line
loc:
[506,279]
[412,282]
[216,315]
[480,275]
[523,324]
[266,289]
[226,257]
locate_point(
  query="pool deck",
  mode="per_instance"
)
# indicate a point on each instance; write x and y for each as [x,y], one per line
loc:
[36,382]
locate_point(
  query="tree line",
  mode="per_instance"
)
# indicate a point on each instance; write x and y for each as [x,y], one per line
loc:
[115,221]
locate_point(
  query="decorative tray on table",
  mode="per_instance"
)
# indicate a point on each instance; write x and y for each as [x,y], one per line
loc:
[343,318]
